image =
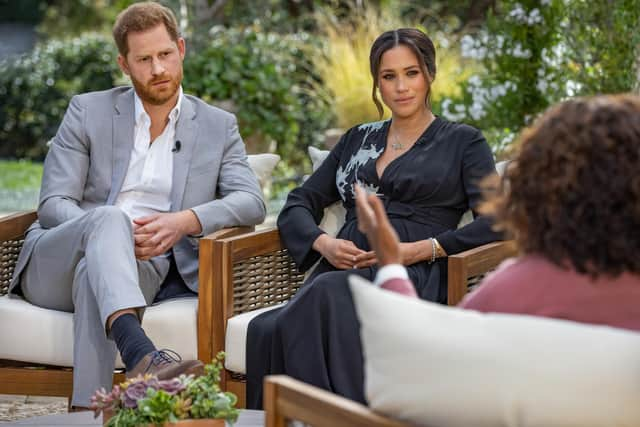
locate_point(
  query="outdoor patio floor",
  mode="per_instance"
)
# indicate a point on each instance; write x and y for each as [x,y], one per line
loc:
[13,407]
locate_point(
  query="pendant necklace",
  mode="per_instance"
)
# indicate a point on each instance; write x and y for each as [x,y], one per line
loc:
[396,145]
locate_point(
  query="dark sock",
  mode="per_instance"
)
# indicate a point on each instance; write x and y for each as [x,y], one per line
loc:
[133,344]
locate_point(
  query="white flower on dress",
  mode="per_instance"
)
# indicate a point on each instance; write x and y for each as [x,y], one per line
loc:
[358,159]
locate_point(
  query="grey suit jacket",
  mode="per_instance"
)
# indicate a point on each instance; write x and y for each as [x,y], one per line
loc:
[89,157]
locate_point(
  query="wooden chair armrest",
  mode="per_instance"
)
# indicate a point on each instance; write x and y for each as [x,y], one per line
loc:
[14,226]
[475,262]
[253,244]
[228,232]
[288,399]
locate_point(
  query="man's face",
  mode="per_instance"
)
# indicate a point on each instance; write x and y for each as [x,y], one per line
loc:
[154,64]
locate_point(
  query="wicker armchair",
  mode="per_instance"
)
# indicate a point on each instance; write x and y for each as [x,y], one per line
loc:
[255,271]
[19,377]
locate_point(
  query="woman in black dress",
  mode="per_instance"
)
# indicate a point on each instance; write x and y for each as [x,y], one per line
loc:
[425,169]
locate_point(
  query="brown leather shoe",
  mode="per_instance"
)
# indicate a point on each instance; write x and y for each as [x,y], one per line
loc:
[166,364]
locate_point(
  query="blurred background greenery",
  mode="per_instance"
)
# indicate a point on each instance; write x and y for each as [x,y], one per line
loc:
[292,69]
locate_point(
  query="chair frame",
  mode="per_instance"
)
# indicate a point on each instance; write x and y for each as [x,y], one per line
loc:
[25,378]
[229,253]
[288,399]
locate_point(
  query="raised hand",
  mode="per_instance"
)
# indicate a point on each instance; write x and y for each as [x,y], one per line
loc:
[155,234]
[374,223]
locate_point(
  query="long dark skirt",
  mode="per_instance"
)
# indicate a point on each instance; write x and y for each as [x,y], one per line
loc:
[315,338]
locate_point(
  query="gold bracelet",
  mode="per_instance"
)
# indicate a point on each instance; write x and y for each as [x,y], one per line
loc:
[440,253]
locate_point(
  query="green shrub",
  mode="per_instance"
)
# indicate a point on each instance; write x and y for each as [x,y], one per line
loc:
[272,84]
[36,89]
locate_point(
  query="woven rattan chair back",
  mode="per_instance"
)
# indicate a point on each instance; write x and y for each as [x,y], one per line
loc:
[9,251]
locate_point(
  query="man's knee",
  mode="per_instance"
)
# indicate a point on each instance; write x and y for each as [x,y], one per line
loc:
[110,218]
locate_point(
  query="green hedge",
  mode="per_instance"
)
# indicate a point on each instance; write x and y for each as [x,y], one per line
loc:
[36,89]
[270,80]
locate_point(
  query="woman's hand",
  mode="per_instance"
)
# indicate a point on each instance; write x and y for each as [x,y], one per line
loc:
[343,254]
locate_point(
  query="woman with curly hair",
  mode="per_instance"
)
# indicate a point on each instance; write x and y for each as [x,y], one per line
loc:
[572,203]
[571,200]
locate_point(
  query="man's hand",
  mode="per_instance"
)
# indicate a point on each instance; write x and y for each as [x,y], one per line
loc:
[156,234]
[374,223]
[343,254]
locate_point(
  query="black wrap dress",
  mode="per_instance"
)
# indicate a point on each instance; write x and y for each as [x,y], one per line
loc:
[426,190]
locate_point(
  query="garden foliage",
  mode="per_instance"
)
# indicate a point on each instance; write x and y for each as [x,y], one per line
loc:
[286,85]
[537,52]
[272,83]
[36,89]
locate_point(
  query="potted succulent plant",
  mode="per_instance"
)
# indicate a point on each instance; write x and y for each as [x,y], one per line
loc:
[182,401]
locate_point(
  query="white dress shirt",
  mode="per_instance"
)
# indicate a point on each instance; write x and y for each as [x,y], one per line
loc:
[147,185]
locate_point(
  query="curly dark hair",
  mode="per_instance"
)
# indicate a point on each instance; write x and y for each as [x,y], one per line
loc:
[572,193]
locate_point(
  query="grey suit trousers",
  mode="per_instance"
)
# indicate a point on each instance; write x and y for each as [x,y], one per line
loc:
[87,266]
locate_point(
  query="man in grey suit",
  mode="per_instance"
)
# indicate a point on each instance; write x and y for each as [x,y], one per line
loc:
[132,178]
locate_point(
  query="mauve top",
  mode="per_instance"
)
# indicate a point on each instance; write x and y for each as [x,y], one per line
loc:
[533,285]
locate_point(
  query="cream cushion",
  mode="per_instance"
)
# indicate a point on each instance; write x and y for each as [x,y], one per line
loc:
[236,339]
[334,214]
[32,334]
[263,165]
[444,366]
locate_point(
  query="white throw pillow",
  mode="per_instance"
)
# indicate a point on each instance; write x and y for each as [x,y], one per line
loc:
[334,215]
[263,165]
[444,366]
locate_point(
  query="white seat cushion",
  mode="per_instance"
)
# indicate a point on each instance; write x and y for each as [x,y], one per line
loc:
[236,339]
[32,334]
[445,366]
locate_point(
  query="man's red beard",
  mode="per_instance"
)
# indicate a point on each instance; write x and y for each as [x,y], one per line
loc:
[157,95]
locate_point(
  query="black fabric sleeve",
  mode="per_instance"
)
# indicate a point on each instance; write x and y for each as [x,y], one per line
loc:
[298,221]
[477,163]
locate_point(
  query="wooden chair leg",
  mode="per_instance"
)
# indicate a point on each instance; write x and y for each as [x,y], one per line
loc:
[273,417]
